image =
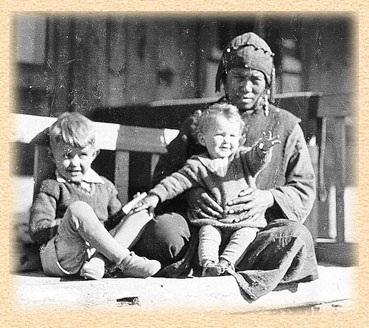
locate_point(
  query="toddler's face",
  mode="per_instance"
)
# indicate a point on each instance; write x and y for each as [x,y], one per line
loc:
[71,162]
[222,137]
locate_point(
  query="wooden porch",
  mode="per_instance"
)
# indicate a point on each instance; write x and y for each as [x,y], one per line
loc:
[333,290]
[336,255]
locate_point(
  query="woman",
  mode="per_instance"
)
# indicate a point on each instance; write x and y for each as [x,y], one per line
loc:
[285,191]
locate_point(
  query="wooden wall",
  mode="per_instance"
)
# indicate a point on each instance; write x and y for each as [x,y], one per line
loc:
[92,62]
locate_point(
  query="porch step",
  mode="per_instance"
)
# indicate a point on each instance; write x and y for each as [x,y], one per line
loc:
[335,286]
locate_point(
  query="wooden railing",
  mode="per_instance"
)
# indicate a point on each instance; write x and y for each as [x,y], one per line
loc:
[332,130]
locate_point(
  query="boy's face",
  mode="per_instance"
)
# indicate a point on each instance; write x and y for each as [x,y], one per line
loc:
[222,137]
[71,162]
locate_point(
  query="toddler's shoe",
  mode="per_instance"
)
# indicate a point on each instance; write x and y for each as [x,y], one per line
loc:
[93,269]
[225,266]
[211,269]
[138,267]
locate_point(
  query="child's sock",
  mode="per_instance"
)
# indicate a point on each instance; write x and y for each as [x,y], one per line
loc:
[93,269]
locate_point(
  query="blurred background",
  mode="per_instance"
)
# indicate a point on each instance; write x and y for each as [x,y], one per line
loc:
[84,62]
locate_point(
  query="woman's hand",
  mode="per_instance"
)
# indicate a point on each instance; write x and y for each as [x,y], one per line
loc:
[253,201]
[204,205]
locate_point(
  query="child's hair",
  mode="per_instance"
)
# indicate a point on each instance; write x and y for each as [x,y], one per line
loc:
[74,129]
[229,111]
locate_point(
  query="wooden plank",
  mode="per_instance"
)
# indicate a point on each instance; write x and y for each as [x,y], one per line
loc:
[121,176]
[200,294]
[117,62]
[133,138]
[344,254]
[28,126]
[42,167]
[109,136]
[154,161]
[208,100]
[90,68]
[335,105]
[340,143]
[60,63]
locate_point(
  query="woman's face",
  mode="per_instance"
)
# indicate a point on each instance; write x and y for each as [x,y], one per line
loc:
[244,87]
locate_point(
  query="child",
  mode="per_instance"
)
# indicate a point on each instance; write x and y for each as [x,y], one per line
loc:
[72,211]
[225,170]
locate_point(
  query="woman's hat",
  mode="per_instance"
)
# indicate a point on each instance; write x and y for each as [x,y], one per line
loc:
[250,51]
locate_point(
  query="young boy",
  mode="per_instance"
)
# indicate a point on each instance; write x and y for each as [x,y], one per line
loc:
[225,170]
[72,211]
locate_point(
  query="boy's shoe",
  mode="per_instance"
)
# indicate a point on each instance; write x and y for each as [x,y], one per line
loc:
[93,269]
[211,269]
[138,267]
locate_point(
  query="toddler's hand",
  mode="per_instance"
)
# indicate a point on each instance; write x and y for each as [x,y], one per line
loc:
[267,141]
[149,202]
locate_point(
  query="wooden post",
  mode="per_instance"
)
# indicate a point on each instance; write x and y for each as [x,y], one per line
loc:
[121,174]
[42,168]
[154,161]
[340,142]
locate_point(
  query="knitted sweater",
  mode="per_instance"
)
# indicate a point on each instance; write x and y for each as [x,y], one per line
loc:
[54,198]
[223,178]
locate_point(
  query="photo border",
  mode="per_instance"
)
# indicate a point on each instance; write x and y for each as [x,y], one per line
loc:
[355,315]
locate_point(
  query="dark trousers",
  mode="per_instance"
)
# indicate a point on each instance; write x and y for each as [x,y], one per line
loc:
[282,253]
[166,239]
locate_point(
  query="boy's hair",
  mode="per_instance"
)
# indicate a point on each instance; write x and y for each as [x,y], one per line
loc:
[73,129]
[229,111]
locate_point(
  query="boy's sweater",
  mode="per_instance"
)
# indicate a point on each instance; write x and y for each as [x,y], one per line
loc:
[54,198]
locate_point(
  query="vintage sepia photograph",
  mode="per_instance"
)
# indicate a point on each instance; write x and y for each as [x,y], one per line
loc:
[184,161]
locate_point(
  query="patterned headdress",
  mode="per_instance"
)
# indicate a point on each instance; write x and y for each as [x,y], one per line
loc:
[250,51]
